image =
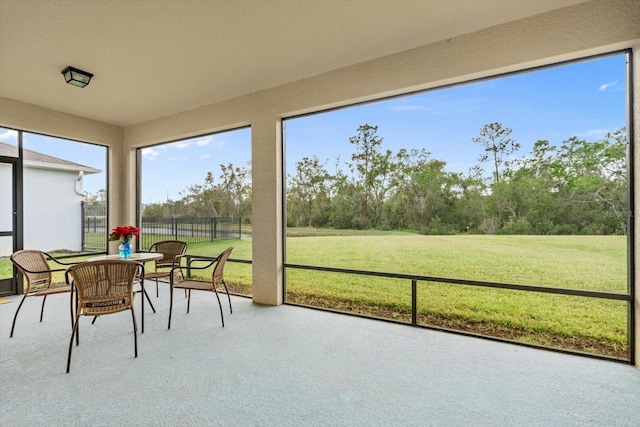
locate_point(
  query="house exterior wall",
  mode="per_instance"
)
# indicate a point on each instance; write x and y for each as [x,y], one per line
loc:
[52,210]
[34,118]
[573,32]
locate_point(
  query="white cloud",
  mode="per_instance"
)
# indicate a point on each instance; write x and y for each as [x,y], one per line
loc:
[595,133]
[204,141]
[9,135]
[408,107]
[150,153]
[181,144]
[606,86]
[439,105]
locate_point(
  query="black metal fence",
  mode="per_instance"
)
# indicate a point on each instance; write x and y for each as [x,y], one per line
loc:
[94,229]
[94,225]
[191,230]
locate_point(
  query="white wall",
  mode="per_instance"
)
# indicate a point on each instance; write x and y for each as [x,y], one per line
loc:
[52,215]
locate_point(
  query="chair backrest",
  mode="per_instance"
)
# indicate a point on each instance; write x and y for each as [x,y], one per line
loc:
[218,271]
[104,287]
[171,250]
[35,268]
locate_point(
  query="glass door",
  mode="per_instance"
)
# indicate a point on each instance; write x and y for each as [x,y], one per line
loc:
[8,223]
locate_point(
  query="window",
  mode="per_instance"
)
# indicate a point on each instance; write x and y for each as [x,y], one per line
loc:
[64,194]
[199,190]
[520,179]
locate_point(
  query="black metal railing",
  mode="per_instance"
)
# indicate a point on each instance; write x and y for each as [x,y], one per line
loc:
[414,282]
[414,279]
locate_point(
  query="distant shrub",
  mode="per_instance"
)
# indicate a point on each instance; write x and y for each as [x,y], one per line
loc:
[438,227]
[565,230]
[517,226]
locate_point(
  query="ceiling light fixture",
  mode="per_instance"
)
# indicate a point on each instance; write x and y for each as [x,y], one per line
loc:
[76,77]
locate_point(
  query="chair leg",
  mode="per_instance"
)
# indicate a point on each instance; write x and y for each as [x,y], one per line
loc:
[188,300]
[220,305]
[149,300]
[182,277]
[74,331]
[227,290]
[71,307]
[16,315]
[157,293]
[76,324]
[135,332]
[77,333]
[170,306]
[42,309]
[142,304]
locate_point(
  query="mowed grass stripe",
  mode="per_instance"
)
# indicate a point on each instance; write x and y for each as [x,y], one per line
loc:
[582,262]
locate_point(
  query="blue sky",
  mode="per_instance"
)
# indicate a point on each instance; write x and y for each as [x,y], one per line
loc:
[583,99]
[82,153]
[169,169]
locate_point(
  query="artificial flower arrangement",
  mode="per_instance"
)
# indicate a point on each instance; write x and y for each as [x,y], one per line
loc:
[124,233]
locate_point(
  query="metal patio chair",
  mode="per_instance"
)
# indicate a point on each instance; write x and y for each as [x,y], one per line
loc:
[172,251]
[102,288]
[217,279]
[34,266]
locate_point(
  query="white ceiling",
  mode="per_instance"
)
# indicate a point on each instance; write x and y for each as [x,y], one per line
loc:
[154,58]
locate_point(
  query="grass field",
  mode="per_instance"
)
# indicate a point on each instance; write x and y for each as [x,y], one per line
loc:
[581,262]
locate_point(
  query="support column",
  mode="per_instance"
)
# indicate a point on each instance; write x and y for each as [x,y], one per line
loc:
[122,189]
[266,163]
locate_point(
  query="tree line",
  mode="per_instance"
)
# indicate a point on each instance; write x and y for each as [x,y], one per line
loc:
[579,187]
[228,197]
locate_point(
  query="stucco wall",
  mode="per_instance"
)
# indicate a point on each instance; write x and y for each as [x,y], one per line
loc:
[52,215]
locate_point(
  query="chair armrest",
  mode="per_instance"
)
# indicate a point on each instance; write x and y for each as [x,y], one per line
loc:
[189,267]
[195,258]
[50,270]
[56,260]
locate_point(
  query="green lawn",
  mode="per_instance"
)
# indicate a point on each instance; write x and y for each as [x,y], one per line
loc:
[581,262]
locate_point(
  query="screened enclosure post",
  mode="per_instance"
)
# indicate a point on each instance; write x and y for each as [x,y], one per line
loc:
[414,302]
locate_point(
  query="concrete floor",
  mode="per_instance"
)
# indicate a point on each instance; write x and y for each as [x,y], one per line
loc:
[291,366]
